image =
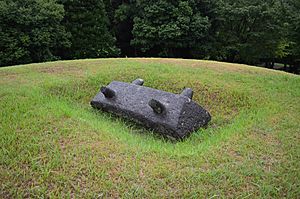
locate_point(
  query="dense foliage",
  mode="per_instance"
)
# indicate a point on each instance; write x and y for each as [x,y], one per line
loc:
[291,18]
[169,28]
[30,31]
[87,22]
[236,31]
[247,30]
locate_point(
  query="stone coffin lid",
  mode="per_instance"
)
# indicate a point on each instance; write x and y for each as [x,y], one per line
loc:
[174,115]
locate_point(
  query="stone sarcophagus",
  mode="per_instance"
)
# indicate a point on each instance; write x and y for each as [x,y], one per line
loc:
[172,115]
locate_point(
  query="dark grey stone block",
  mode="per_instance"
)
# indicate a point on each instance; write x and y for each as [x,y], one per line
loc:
[172,115]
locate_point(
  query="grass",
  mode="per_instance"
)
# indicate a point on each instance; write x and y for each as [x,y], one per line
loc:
[53,144]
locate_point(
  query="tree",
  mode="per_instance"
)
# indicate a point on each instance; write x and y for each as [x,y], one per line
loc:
[291,21]
[31,31]
[124,13]
[87,22]
[169,28]
[248,30]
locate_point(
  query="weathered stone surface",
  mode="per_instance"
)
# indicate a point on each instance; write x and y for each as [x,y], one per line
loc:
[174,115]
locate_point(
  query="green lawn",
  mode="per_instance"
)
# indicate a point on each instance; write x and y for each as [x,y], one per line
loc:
[53,144]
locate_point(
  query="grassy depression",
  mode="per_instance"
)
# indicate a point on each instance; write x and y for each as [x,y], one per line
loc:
[53,144]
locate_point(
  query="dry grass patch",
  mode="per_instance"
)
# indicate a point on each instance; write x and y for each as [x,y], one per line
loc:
[70,70]
[219,67]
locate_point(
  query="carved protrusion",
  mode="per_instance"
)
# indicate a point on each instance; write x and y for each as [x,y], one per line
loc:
[188,92]
[157,106]
[139,82]
[107,92]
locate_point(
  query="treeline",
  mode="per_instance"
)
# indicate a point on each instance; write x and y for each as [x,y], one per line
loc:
[240,31]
